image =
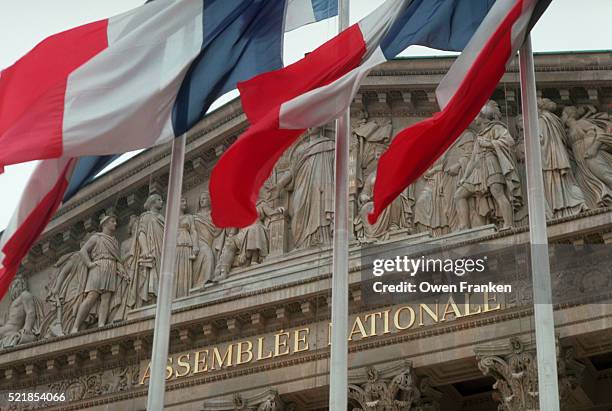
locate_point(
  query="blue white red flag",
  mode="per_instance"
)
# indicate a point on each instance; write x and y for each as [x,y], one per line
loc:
[318,88]
[125,83]
[462,93]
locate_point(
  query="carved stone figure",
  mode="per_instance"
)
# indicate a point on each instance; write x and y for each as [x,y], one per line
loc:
[311,182]
[187,249]
[207,232]
[491,174]
[147,256]
[66,292]
[591,144]
[513,364]
[231,245]
[128,249]
[103,260]
[563,196]
[395,217]
[22,322]
[435,200]
[373,138]
[256,241]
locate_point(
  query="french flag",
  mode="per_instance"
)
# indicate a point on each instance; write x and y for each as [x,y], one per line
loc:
[280,105]
[129,82]
[465,89]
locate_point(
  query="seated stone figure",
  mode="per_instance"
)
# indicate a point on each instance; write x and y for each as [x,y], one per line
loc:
[23,317]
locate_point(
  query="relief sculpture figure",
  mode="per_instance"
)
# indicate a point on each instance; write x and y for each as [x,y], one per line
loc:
[207,232]
[435,199]
[396,216]
[311,183]
[66,292]
[187,249]
[22,322]
[491,174]
[103,260]
[590,140]
[563,196]
[147,255]
[120,297]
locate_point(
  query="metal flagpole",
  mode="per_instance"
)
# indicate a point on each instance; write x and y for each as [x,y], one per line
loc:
[161,336]
[540,265]
[338,376]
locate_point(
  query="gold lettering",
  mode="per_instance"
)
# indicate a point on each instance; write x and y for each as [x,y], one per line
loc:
[451,308]
[396,318]
[169,369]
[186,365]
[429,311]
[468,306]
[358,328]
[197,361]
[372,318]
[300,340]
[260,350]
[227,357]
[278,344]
[386,329]
[487,300]
[146,375]
[248,352]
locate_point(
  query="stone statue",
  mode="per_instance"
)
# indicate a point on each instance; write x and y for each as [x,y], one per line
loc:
[204,264]
[396,216]
[66,291]
[461,153]
[431,211]
[23,318]
[491,173]
[187,249]
[128,249]
[373,138]
[311,182]
[103,260]
[147,255]
[591,144]
[231,245]
[256,241]
[563,196]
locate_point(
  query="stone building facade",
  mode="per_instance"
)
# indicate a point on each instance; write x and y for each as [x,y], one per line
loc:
[251,316]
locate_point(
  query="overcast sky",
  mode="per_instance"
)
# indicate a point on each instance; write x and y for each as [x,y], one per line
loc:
[567,25]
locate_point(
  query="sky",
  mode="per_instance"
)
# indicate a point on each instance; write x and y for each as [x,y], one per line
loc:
[567,25]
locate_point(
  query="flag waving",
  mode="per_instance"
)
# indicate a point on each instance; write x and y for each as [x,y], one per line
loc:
[128,82]
[140,78]
[316,89]
[462,93]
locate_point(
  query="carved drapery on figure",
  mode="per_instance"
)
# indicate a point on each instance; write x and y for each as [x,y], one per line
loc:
[397,216]
[563,196]
[187,249]
[311,182]
[256,244]
[513,365]
[66,292]
[23,320]
[207,232]
[396,388]
[590,139]
[103,259]
[491,175]
[265,401]
[147,256]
